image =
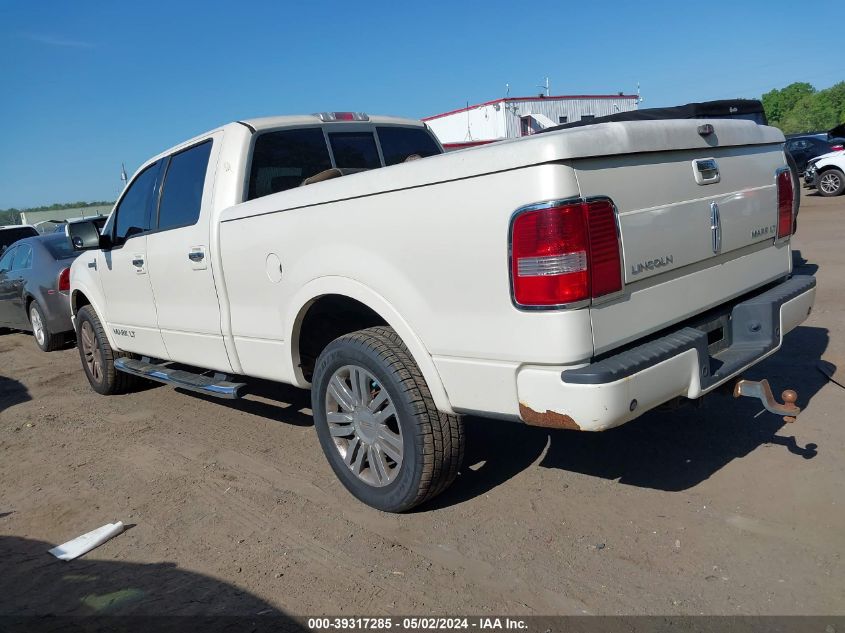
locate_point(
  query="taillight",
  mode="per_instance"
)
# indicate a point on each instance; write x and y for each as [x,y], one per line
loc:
[565,254]
[785,194]
[63,282]
[837,148]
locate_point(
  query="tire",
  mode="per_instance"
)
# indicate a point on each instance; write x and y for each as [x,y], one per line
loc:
[97,355]
[830,183]
[386,442]
[46,340]
[796,190]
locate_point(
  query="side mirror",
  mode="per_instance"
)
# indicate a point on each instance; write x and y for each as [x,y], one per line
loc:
[83,236]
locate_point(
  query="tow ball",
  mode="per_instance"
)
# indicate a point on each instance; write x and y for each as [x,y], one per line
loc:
[763,392]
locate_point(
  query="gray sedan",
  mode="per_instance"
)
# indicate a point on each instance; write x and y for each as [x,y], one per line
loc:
[34,288]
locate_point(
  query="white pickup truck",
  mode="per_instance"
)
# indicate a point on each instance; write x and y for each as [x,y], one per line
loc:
[574,279]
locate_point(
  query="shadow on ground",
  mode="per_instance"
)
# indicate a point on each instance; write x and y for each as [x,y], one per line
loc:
[273,400]
[34,583]
[669,450]
[12,392]
[801,266]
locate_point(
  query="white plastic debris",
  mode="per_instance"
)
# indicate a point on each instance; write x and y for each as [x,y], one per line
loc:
[85,543]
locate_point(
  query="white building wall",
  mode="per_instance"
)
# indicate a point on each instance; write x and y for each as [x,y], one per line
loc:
[502,119]
[477,124]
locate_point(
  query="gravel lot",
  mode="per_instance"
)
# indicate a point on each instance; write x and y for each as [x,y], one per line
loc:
[699,510]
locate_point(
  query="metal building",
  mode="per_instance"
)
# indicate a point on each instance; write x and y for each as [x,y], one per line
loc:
[512,117]
[47,219]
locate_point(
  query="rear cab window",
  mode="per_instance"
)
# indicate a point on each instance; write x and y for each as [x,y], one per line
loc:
[398,144]
[354,150]
[283,159]
[10,236]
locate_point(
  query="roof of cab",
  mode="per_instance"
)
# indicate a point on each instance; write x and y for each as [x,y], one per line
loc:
[273,122]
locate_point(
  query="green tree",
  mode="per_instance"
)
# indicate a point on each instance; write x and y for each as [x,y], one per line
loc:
[778,103]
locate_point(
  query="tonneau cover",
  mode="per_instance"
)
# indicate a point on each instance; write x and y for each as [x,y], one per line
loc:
[747,109]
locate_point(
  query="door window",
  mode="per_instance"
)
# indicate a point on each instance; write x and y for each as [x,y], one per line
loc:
[132,215]
[181,196]
[355,150]
[282,160]
[6,260]
[23,257]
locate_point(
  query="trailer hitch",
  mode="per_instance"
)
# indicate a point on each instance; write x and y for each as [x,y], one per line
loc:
[763,392]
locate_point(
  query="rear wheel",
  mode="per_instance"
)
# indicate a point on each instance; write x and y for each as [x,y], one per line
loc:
[98,356]
[46,340]
[830,182]
[377,423]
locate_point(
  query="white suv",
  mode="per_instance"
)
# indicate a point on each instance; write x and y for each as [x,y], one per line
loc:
[827,173]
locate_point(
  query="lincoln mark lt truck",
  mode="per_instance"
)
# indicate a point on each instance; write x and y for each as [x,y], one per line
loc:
[572,280]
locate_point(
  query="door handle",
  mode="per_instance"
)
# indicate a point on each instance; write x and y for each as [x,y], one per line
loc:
[138,262]
[196,256]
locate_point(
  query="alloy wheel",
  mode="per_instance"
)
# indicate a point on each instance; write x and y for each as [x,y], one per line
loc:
[37,325]
[91,351]
[829,182]
[364,426]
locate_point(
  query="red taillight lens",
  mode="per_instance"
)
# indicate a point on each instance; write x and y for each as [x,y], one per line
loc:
[785,193]
[605,261]
[344,116]
[565,254]
[837,148]
[63,283]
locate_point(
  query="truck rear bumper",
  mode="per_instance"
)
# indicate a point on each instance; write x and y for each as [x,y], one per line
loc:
[689,362]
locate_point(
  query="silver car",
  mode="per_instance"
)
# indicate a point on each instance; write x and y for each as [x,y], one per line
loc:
[34,289]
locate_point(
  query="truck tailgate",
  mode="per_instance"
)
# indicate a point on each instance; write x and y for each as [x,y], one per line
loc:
[690,239]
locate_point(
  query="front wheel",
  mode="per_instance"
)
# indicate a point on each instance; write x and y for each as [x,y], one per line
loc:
[830,183]
[377,423]
[98,356]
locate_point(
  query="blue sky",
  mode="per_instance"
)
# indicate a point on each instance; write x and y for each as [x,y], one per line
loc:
[88,85]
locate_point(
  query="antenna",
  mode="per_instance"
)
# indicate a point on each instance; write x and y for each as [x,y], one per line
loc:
[469,131]
[640,99]
[545,87]
[123,177]
[507,90]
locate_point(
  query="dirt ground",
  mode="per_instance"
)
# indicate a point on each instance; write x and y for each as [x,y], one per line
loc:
[714,510]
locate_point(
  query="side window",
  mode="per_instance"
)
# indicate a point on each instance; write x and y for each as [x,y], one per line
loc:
[132,215]
[181,195]
[282,160]
[6,260]
[355,150]
[400,143]
[23,257]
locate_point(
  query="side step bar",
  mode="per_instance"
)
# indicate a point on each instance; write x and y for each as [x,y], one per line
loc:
[217,385]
